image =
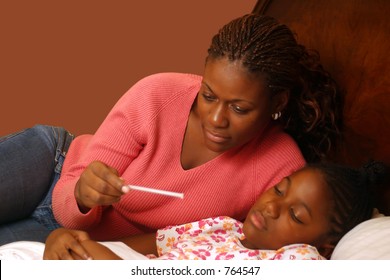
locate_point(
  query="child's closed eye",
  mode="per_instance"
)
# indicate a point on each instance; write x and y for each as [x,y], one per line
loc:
[294,217]
[278,191]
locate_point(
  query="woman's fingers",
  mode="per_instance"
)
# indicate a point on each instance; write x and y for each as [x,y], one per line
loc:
[107,179]
[99,184]
[90,198]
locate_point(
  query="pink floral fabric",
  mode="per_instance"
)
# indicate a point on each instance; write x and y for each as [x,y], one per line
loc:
[219,239]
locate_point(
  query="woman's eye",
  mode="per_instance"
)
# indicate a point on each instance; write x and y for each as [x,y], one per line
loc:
[208,97]
[294,217]
[239,110]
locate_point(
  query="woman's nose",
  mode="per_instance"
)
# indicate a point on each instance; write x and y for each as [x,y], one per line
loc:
[272,209]
[218,116]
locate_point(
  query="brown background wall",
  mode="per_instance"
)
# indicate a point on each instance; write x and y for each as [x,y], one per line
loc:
[66,63]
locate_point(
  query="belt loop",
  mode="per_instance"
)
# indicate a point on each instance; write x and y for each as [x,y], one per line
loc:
[64,139]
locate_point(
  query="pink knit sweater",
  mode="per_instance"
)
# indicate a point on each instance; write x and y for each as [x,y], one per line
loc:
[142,138]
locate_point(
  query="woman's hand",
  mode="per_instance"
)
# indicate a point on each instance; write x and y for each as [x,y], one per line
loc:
[99,184]
[64,244]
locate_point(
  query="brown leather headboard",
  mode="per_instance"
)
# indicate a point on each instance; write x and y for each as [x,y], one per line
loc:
[353,40]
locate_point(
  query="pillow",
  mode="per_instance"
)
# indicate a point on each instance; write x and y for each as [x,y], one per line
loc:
[369,240]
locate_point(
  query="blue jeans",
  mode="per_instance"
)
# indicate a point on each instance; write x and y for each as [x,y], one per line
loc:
[30,165]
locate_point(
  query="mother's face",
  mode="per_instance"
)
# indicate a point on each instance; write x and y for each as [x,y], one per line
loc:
[233,105]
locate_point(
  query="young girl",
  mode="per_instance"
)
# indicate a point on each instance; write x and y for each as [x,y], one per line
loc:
[302,217]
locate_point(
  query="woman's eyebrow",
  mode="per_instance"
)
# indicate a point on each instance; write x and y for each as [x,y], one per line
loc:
[233,100]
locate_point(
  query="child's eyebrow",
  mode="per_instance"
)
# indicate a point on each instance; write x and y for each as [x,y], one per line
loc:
[288,181]
[207,86]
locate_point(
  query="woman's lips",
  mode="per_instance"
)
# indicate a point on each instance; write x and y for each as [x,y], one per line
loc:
[215,137]
[258,220]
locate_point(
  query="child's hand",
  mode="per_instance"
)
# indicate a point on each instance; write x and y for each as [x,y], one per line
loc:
[64,244]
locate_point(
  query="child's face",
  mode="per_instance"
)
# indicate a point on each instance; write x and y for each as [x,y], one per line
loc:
[296,210]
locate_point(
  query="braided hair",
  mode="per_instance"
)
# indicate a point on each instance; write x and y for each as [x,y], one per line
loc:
[351,191]
[266,47]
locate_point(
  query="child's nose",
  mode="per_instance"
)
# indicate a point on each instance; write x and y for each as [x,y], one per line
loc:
[272,209]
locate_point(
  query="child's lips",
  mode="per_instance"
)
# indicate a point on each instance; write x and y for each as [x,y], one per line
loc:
[258,220]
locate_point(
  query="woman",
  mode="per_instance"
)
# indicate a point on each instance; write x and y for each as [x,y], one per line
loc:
[262,107]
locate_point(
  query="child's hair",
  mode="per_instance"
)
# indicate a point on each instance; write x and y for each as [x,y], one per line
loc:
[352,190]
[313,115]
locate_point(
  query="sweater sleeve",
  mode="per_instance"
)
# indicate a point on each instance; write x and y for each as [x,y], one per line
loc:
[280,156]
[118,140]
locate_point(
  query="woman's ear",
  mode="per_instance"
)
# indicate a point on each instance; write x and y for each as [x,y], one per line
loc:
[326,250]
[281,100]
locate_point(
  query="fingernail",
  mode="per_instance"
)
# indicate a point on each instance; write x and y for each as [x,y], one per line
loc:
[125,189]
[122,181]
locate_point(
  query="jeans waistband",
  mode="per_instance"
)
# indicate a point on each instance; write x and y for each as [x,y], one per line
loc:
[64,139]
